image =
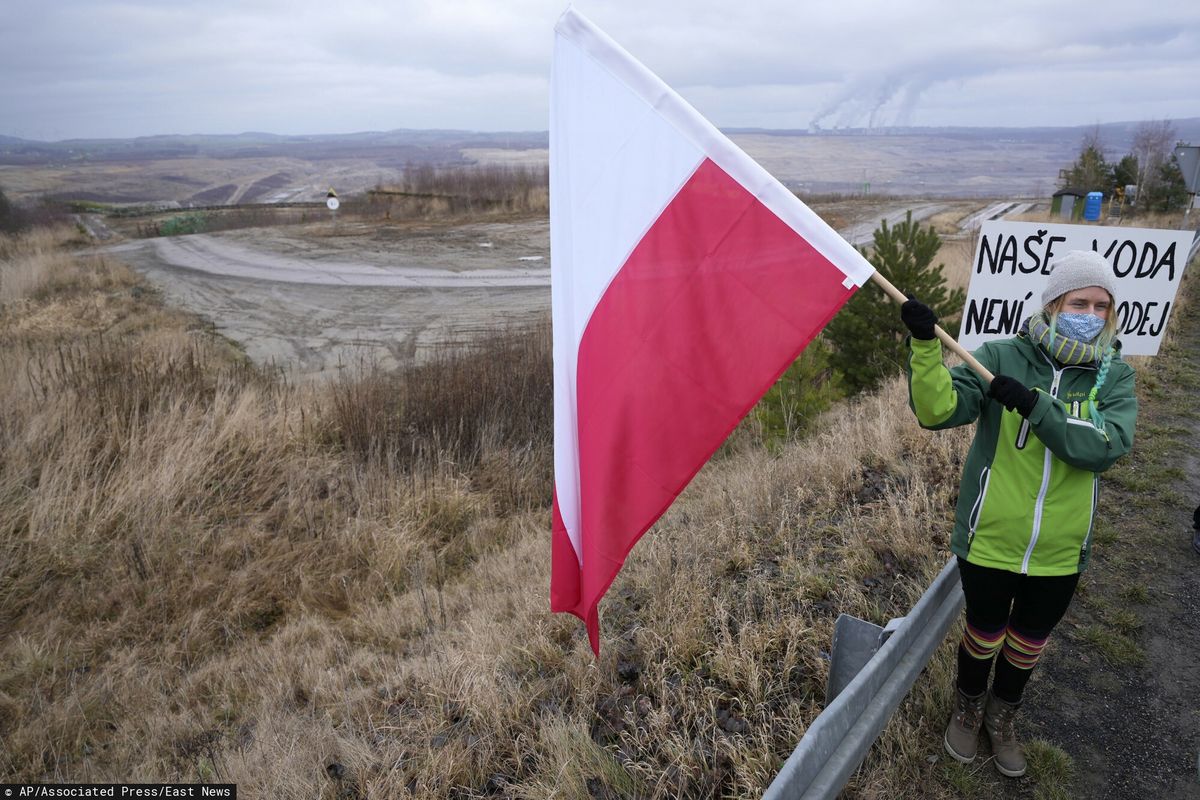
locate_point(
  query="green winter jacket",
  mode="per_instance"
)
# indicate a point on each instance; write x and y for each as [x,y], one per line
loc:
[1028,494]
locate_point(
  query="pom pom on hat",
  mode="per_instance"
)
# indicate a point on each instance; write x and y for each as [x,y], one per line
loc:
[1077,269]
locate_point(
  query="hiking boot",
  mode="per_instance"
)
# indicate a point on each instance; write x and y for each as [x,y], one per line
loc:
[998,720]
[962,733]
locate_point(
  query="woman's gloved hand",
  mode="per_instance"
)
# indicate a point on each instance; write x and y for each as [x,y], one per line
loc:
[1013,395]
[918,318]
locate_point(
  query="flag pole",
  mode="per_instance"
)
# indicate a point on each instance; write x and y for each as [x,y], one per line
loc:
[946,338]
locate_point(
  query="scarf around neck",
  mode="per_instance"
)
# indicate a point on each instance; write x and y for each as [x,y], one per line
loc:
[1062,349]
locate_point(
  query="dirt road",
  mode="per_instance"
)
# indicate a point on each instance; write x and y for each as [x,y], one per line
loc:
[319,302]
[317,298]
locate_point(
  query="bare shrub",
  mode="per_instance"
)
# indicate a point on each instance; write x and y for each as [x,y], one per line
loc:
[466,399]
[427,190]
[20,218]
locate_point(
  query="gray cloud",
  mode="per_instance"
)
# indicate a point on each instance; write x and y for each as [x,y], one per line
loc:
[82,68]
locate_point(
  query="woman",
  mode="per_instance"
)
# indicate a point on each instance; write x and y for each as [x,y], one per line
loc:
[1060,410]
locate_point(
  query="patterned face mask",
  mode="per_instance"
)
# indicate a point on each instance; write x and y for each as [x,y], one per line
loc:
[1081,327]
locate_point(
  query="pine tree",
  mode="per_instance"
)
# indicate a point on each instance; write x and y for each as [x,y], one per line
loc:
[867,334]
[1090,171]
[1168,190]
[1126,172]
[808,388]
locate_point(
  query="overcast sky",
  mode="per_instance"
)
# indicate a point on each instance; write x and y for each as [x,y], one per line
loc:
[94,68]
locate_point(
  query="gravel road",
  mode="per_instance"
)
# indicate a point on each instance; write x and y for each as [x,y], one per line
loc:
[317,303]
[316,299]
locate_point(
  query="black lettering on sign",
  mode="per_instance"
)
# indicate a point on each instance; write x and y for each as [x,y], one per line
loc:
[1031,252]
[996,316]
[1168,261]
[1040,256]
[1000,256]
[1005,249]
[1126,259]
[1144,319]
[1050,252]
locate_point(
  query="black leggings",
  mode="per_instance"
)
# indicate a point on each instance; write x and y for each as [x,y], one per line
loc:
[1010,614]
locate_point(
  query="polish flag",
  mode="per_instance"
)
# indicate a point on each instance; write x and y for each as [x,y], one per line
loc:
[684,281]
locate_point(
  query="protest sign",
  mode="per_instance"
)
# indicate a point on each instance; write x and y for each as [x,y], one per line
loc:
[1012,260]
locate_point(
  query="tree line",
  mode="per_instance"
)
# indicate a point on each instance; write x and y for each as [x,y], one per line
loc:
[1150,165]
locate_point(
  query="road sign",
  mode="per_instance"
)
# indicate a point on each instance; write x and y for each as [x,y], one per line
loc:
[1189,165]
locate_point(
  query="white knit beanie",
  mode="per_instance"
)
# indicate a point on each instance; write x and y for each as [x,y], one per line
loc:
[1077,269]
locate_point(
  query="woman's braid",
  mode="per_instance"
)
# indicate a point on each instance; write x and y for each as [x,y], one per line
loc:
[1101,376]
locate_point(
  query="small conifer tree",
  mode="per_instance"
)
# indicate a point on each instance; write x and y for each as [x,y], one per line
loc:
[1090,171]
[808,388]
[1169,191]
[867,334]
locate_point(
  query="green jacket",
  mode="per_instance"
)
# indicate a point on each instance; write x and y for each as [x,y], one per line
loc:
[1028,494]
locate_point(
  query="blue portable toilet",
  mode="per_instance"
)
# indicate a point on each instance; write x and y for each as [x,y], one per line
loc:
[1091,206]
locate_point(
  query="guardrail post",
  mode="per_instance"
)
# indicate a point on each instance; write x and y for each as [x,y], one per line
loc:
[855,642]
[838,739]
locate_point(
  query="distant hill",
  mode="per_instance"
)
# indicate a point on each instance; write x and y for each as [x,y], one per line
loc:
[201,169]
[391,148]
[425,145]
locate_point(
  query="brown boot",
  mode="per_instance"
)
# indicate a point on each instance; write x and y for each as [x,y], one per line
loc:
[962,734]
[998,720]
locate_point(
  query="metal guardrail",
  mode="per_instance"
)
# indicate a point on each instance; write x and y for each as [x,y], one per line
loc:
[871,669]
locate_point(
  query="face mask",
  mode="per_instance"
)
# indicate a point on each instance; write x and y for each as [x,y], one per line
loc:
[1080,327]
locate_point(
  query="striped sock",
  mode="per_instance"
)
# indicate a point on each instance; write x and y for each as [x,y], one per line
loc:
[1022,651]
[981,644]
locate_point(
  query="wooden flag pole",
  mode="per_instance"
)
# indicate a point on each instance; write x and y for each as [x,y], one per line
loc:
[946,338]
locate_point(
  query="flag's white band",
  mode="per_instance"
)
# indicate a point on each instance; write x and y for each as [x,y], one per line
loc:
[715,145]
[609,151]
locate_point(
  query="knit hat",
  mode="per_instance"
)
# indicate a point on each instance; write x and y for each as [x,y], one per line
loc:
[1077,269]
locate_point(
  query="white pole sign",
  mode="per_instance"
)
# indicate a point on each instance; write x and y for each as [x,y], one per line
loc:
[1012,261]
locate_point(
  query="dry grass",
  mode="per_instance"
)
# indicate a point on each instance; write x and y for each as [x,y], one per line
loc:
[341,591]
[32,262]
[957,254]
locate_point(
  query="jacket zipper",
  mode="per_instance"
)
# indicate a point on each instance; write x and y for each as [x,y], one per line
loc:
[977,509]
[1087,540]
[1041,498]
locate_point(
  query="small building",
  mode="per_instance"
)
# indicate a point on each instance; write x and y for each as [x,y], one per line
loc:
[1068,203]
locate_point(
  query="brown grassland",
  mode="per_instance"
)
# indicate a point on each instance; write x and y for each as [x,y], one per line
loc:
[208,573]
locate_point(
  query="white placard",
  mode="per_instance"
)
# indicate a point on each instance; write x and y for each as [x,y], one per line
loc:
[1012,261]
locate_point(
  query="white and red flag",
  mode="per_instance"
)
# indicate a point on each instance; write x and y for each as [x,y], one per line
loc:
[685,279]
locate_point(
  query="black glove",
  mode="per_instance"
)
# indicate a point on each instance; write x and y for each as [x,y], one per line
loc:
[1013,395]
[918,317]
